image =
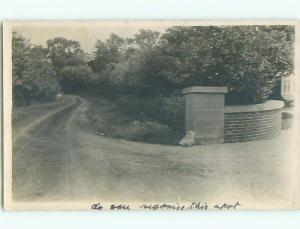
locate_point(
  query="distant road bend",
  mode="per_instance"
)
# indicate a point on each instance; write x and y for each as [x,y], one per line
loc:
[58,158]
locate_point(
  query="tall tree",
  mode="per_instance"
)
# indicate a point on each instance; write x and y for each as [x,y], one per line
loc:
[107,53]
[247,59]
[33,73]
[64,52]
[70,64]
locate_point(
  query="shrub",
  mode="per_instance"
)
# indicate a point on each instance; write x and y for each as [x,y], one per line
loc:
[145,131]
[136,119]
[166,110]
[173,112]
[74,79]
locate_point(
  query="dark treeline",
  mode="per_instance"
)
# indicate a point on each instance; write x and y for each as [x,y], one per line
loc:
[249,60]
[134,84]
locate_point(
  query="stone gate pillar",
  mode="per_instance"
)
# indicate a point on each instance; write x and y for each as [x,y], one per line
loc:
[204,114]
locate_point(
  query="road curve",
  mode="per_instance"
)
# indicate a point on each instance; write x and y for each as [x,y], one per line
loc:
[58,158]
[42,153]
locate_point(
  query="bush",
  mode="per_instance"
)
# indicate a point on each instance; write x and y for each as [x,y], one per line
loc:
[145,131]
[135,119]
[74,79]
[173,112]
[166,110]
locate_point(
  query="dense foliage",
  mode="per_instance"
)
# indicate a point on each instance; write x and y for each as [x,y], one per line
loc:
[70,63]
[144,75]
[33,73]
[249,60]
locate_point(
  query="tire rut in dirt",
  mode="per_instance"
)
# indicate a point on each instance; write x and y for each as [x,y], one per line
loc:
[56,124]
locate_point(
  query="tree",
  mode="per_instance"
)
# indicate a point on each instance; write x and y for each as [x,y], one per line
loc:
[44,83]
[107,53]
[70,64]
[33,74]
[247,59]
[64,52]
[145,39]
[76,79]
[140,67]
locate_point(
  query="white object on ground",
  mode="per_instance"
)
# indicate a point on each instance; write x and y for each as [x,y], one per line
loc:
[188,139]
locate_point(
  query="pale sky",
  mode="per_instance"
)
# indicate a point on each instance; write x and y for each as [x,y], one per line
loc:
[86,34]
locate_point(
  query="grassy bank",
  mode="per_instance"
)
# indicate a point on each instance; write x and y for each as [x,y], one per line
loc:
[152,120]
[24,115]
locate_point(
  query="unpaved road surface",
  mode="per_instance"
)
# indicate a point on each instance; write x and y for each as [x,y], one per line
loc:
[57,157]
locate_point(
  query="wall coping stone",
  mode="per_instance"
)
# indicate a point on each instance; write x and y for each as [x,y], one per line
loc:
[266,106]
[200,89]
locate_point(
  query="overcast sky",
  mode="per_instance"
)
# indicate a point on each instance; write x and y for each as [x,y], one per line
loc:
[87,35]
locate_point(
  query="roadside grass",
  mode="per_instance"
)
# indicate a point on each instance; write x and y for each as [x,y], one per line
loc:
[133,119]
[145,120]
[24,115]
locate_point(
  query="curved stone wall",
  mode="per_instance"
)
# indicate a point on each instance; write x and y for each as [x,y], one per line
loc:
[253,122]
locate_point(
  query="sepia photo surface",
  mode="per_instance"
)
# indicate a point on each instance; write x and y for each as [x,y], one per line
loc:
[151,115]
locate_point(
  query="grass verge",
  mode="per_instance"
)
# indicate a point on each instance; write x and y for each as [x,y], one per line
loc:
[149,120]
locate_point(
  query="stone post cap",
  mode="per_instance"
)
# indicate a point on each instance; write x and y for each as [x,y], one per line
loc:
[200,89]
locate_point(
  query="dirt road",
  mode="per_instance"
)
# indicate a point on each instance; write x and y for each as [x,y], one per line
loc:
[57,157]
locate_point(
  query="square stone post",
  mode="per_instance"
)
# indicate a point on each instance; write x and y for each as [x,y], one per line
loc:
[204,113]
